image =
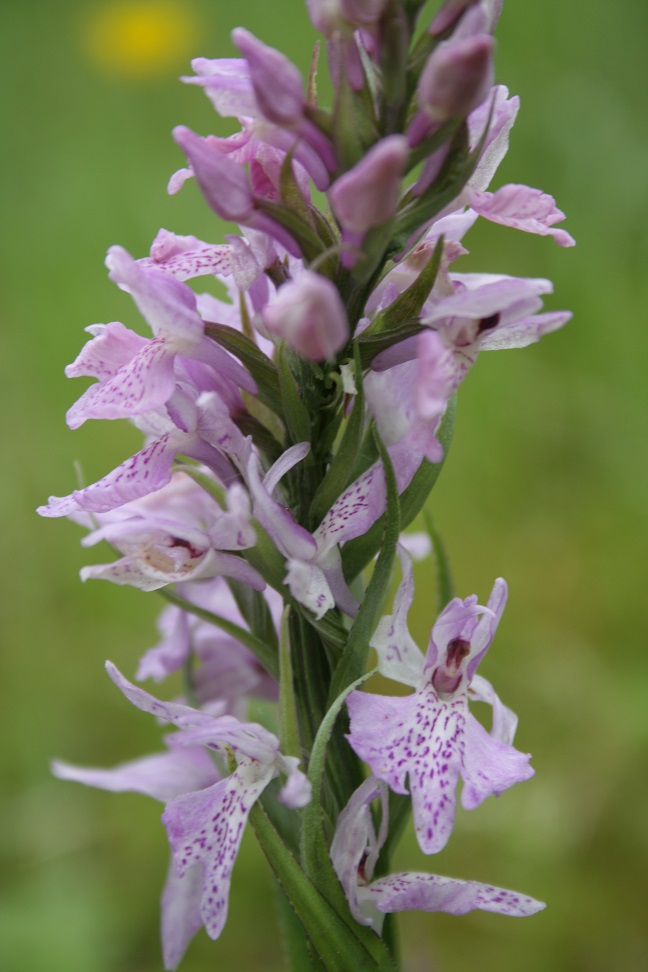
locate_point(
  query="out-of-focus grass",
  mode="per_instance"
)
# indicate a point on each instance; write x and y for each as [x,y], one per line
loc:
[546,485]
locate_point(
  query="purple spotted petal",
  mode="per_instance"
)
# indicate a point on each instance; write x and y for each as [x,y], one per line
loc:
[356,845]
[180,913]
[309,586]
[143,473]
[146,382]
[111,348]
[207,827]
[162,776]
[186,257]
[490,766]
[417,736]
[458,620]
[362,503]
[430,892]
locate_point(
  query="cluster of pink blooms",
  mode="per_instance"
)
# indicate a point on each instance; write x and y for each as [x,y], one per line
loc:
[292,431]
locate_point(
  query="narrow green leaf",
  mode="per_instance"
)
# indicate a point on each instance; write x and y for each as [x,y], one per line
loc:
[338,947]
[257,363]
[215,490]
[314,850]
[264,653]
[358,553]
[291,194]
[295,414]
[299,953]
[311,87]
[288,723]
[395,41]
[454,174]
[255,611]
[445,586]
[337,477]
[356,652]
[300,229]
[265,558]
[408,305]
[372,344]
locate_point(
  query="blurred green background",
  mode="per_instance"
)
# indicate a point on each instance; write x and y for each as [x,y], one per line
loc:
[546,484]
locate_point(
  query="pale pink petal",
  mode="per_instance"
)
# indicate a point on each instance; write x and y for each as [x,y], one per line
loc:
[297,791]
[419,737]
[431,892]
[207,827]
[523,208]
[292,539]
[355,844]
[484,633]
[188,264]
[398,656]
[484,297]
[365,500]
[309,586]
[143,473]
[521,333]
[180,913]
[145,383]
[111,347]
[490,766]
[179,715]
[168,306]
[504,719]
[162,776]
[173,649]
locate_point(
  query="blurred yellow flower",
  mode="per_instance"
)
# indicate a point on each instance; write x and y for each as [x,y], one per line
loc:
[140,38]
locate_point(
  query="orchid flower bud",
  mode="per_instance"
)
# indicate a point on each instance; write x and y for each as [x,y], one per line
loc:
[223,183]
[457,77]
[367,195]
[308,313]
[330,15]
[448,14]
[276,81]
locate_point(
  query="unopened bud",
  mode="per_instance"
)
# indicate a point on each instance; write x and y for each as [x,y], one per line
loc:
[309,315]
[456,78]
[276,81]
[367,195]
[223,183]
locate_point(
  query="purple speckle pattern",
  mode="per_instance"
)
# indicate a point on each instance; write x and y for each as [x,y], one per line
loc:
[112,346]
[417,737]
[143,384]
[431,892]
[207,827]
[200,262]
[143,473]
